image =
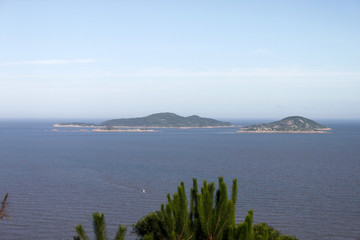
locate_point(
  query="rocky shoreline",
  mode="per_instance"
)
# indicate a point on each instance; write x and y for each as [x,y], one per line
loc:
[325,130]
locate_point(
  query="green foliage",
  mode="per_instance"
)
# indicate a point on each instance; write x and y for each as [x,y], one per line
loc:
[99,229]
[150,225]
[244,230]
[262,229]
[157,225]
[214,217]
[81,233]
[211,216]
[176,216]
[294,123]
[165,120]
[261,232]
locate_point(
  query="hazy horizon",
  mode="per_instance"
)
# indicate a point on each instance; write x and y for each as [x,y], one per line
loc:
[232,59]
[220,118]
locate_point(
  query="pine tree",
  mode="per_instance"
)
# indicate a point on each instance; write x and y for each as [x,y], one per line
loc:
[99,229]
[214,217]
[211,216]
[244,230]
[262,231]
[176,216]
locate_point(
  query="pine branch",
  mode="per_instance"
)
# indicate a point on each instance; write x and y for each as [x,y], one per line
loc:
[120,235]
[99,226]
[81,232]
[2,210]
[3,206]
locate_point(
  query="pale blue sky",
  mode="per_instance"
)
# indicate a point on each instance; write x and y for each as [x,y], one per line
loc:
[221,59]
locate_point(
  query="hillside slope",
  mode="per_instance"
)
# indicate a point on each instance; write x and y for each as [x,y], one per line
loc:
[166,120]
[289,124]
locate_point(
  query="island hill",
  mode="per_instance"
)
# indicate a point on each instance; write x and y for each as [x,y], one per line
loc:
[158,120]
[293,124]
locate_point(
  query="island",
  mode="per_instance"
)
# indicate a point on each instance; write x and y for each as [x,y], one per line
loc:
[157,120]
[75,124]
[114,129]
[294,124]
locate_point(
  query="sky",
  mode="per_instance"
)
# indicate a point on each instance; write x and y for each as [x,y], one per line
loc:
[222,59]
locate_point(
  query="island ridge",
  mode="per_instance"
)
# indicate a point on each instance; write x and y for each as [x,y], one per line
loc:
[294,124]
[165,120]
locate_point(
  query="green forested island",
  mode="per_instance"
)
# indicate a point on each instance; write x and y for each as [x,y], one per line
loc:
[294,124]
[155,120]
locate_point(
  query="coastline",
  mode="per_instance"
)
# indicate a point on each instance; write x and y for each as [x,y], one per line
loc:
[103,130]
[323,130]
[92,126]
[74,126]
[123,130]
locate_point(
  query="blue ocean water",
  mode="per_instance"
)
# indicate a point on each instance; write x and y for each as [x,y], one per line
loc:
[307,185]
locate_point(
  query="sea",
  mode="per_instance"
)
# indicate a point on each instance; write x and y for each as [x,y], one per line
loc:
[306,185]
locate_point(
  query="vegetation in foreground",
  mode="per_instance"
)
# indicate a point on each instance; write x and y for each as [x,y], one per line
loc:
[210,216]
[3,209]
[99,229]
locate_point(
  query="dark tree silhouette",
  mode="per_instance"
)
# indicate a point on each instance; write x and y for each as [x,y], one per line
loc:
[2,210]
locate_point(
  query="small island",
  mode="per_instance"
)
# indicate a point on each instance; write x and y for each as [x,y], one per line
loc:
[75,124]
[157,120]
[294,124]
[114,129]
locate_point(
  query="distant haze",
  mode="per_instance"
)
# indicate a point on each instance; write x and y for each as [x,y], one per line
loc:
[218,59]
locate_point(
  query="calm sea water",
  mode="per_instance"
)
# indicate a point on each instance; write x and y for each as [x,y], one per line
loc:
[307,185]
